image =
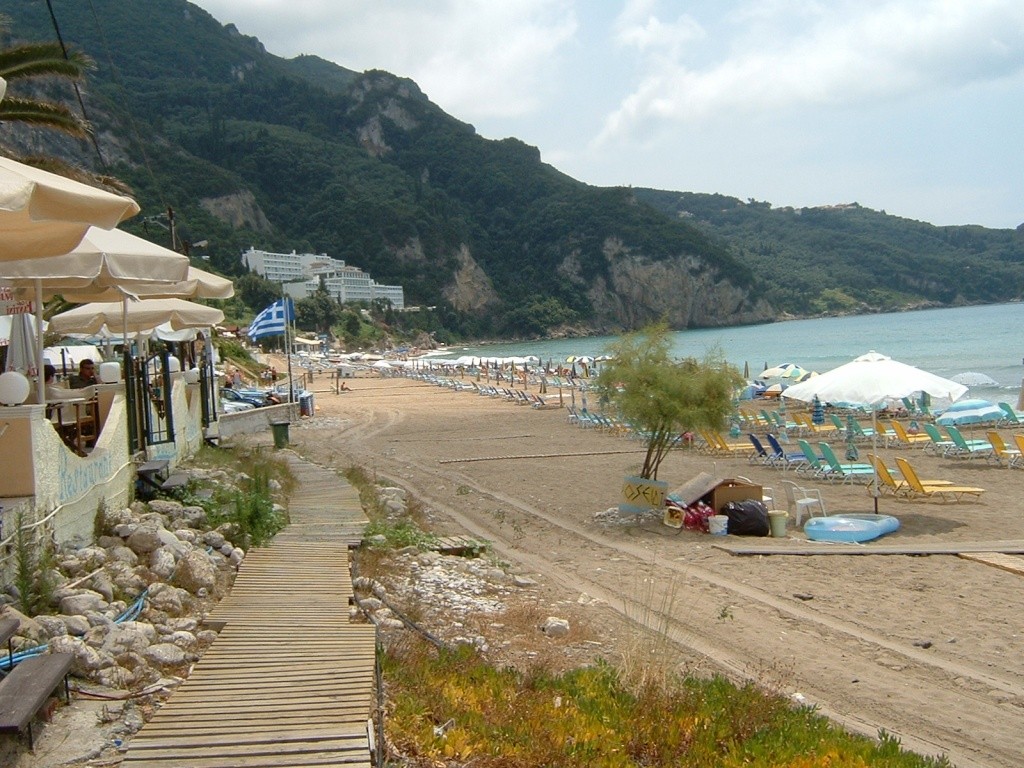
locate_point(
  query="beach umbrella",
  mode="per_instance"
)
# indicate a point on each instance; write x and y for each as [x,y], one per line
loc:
[971,411]
[746,370]
[140,315]
[851,437]
[43,214]
[198,284]
[817,411]
[974,379]
[21,347]
[777,372]
[871,380]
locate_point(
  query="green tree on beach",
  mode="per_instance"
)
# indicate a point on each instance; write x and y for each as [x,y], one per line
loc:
[660,397]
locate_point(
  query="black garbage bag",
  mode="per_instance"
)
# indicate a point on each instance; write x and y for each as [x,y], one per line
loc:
[746,518]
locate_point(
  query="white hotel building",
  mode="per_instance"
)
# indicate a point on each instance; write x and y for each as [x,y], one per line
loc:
[302,273]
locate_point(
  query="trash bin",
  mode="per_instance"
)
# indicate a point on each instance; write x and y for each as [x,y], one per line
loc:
[306,404]
[777,523]
[280,429]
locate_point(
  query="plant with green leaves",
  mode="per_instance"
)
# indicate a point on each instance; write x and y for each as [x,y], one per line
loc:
[661,397]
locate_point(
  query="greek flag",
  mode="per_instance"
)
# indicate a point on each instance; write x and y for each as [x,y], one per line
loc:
[271,321]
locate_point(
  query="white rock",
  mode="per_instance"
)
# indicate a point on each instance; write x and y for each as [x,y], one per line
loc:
[184,640]
[173,543]
[87,659]
[165,655]
[164,597]
[193,572]
[145,538]
[115,677]
[76,625]
[162,563]
[54,626]
[82,603]
[555,627]
[123,554]
[166,507]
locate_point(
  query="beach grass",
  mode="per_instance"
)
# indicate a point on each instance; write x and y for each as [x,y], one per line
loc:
[450,707]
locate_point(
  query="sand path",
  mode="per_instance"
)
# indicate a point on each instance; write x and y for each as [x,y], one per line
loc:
[926,648]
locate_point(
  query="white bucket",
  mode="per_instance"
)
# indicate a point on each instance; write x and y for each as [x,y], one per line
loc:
[718,525]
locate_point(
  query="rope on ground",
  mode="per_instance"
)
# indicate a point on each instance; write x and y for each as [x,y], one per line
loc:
[536,456]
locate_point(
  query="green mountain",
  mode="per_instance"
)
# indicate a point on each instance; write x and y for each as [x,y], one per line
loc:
[847,258]
[246,148]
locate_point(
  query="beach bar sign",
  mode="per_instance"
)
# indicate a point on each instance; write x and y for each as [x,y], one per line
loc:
[12,306]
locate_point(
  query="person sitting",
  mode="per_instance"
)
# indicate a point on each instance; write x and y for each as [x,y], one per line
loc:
[85,377]
[54,392]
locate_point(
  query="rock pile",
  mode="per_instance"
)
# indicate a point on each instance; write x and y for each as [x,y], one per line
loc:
[452,594]
[164,549]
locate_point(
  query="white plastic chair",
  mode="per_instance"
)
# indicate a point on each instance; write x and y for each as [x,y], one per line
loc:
[799,499]
[767,495]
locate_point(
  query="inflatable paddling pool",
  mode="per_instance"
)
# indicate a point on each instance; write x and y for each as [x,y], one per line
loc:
[851,527]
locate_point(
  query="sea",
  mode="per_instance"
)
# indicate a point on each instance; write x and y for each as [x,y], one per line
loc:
[980,339]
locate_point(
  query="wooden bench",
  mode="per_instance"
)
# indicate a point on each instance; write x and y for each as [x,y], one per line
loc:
[8,626]
[25,690]
[153,476]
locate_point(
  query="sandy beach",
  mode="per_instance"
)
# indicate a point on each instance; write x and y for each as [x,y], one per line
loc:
[928,648]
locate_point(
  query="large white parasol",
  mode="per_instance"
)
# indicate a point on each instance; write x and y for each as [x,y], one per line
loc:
[140,315]
[43,214]
[871,380]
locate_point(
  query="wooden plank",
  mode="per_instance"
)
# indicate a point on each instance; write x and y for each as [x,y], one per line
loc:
[289,680]
[794,547]
[1011,563]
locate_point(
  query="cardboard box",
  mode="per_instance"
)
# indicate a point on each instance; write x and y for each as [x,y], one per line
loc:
[716,491]
[732,490]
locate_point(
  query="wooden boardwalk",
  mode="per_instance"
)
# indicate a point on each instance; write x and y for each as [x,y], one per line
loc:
[289,681]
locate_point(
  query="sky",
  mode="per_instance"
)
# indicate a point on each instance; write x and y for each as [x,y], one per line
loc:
[914,107]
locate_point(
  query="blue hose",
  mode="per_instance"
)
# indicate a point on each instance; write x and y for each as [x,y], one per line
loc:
[130,614]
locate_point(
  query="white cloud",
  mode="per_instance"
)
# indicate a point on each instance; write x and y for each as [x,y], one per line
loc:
[852,53]
[475,58]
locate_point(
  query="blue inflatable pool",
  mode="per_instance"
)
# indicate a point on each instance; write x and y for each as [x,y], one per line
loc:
[852,527]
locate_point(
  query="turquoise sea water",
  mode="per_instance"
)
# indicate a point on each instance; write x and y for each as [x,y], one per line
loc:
[944,341]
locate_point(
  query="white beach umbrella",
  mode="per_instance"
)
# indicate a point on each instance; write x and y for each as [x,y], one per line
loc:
[871,380]
[104,261]
[974,379]
[43,214]
[140,315]
[20,338]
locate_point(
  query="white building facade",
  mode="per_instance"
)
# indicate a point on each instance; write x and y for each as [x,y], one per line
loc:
[301,275]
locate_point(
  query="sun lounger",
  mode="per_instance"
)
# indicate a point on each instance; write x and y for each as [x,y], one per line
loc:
[1000,451]
[968,448]
[782,458]
[905,438]
[941,492]
[849,472]
[889,484]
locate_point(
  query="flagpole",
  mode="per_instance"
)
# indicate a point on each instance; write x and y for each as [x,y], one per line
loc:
[287,346]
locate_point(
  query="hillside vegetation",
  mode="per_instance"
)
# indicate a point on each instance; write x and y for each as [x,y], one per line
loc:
[249,149]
